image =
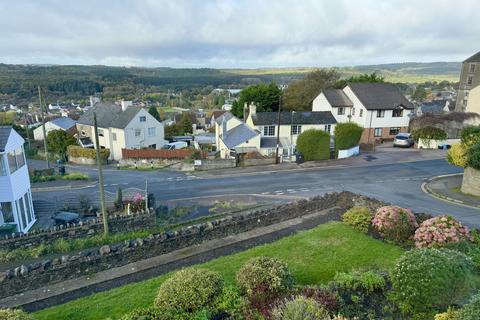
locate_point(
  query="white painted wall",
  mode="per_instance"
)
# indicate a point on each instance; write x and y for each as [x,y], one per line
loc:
[320,103]
[49,126]
[473,104]
[144,140]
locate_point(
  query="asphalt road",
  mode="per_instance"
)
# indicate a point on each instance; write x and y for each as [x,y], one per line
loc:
[398,183]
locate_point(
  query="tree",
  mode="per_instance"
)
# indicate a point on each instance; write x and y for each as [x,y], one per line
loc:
[419,94]
[185,123]
[58,141]
[300,94]
[265,96]
[371,78]
[154,112]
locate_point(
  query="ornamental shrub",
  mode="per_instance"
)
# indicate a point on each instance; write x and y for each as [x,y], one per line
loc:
[450,314]
[367,281]
[79,152]
[470,311]
[458,155]
[347,135]
[470,249]
[440,231]
[395,223]
[230,303]
[473,156]
[359,218]
[154,313]
[428,280]
[470,136]
[429,133]
[190,290]
[314,145]
[14,314]
[300,308]
[264,275]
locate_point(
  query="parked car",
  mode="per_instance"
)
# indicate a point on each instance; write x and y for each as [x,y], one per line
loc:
[175,145]
[403,140]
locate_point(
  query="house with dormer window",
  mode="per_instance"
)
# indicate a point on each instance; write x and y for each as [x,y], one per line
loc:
[16,207]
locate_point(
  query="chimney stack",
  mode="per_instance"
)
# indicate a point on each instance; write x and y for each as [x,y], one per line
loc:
[125,104]
[252,109]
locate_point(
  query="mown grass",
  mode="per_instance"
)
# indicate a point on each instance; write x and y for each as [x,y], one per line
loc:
[314,256]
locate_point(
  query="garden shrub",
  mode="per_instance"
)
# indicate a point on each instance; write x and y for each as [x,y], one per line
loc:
[429,133]
[14,314]
[314,145]
[190,290]
[439,231]
[154,313]
[79,152]
[450,314]
[325,296]
[471,250]
[458,155]
[470,311]
[347,135]
[428,280]
[470,136]
[365,281]
[300,308]
[360,218]
[395,223]
[262,275]
[230,303]
[473,157]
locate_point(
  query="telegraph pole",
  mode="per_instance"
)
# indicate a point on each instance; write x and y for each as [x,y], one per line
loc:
[277,160]
[45,147]
[100,178]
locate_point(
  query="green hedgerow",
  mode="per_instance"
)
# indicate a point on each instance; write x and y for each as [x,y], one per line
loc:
[300,308]
[368,281]
[347,135]
[426,281]
[473,157]
[14,314]
[314,145]
[190,290]
[359,218]
[264,275]
[429,133]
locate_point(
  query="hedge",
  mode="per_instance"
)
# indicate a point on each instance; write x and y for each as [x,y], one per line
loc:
[347,135]
[473,159]
[79,152]
[470,136]
[314,145]
[429,133]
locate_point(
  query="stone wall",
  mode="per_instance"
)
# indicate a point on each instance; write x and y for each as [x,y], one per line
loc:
[471,181]
[207,164]
[81,230]
[257,162]
[28,277]
[82,160]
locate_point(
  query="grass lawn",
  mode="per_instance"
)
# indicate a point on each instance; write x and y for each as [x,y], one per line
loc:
[314,256]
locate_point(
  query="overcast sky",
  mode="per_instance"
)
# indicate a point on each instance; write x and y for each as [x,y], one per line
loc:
[237,33]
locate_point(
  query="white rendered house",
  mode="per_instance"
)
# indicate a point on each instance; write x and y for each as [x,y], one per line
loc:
[16,207]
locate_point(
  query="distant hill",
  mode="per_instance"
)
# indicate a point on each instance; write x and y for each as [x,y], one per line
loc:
[18,83]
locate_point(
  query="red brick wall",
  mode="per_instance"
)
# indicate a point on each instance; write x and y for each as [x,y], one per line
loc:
[156,154]
[385,134]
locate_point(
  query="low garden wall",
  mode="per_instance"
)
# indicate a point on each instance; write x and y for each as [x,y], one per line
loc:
[257,162]
[347,153]
[28,277]
[81,230]
[433,144]
[157,154]
[82,160]
[471,181]
[207,164]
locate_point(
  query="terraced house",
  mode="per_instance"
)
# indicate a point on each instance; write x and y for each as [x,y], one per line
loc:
[469,80]
[16,207]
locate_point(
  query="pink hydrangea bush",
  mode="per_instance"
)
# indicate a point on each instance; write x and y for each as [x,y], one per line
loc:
[440,231]
[395,223]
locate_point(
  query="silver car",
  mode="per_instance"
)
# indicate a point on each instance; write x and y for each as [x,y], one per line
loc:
[403,140]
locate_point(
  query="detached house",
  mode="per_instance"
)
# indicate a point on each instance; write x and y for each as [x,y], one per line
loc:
[120,127]
[380,108]
[16,207]
[63,123]
[233,136]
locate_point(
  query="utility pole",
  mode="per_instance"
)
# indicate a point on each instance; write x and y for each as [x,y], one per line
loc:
[277,160]
[100,178]
[45,147]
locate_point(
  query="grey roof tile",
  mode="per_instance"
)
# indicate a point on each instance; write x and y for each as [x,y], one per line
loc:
[474,58]
[4,135]
[380,96]
[64,122]
[239,135]
[337,98]
[109,115]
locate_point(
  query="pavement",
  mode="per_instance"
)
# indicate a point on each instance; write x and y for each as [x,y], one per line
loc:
[446,187]
[60,185]
[62,292]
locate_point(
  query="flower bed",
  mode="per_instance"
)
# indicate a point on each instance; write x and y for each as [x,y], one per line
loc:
[439,231]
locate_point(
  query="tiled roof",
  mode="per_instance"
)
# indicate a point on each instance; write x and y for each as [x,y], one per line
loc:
[4,134]
[380,96]
[337,98]
[224,117]
[301,117]
[64,122]
[474,58]
[109,115]
[239,135]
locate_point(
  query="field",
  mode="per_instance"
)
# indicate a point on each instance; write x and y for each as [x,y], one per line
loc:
[314,256]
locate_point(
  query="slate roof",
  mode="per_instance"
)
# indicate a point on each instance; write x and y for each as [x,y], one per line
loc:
[474,58]
[337,98]
[109,115]
[287,118]
[64,122]
[239,135]
[380,96]
[226,116]
[4,134]
[435,106]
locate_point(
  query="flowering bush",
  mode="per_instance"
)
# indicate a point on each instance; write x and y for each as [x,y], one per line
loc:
[395,223]
[137,204]
[440,231]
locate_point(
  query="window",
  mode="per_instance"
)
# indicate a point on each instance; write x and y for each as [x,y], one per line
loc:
[152,132]
[3,170]
[269,130]
[100,132]
[6,212]
[472,67]
[12,162]
[114,136]
[21,215]
[83,133]
[470,80]
[28,205]
[341,111]
[353,111]
[397,113]
[19,157]
[361,112]
[143,119]
[394,131]
[377,132]
[380,113]
[138,132]
[327,128]
[296,129]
